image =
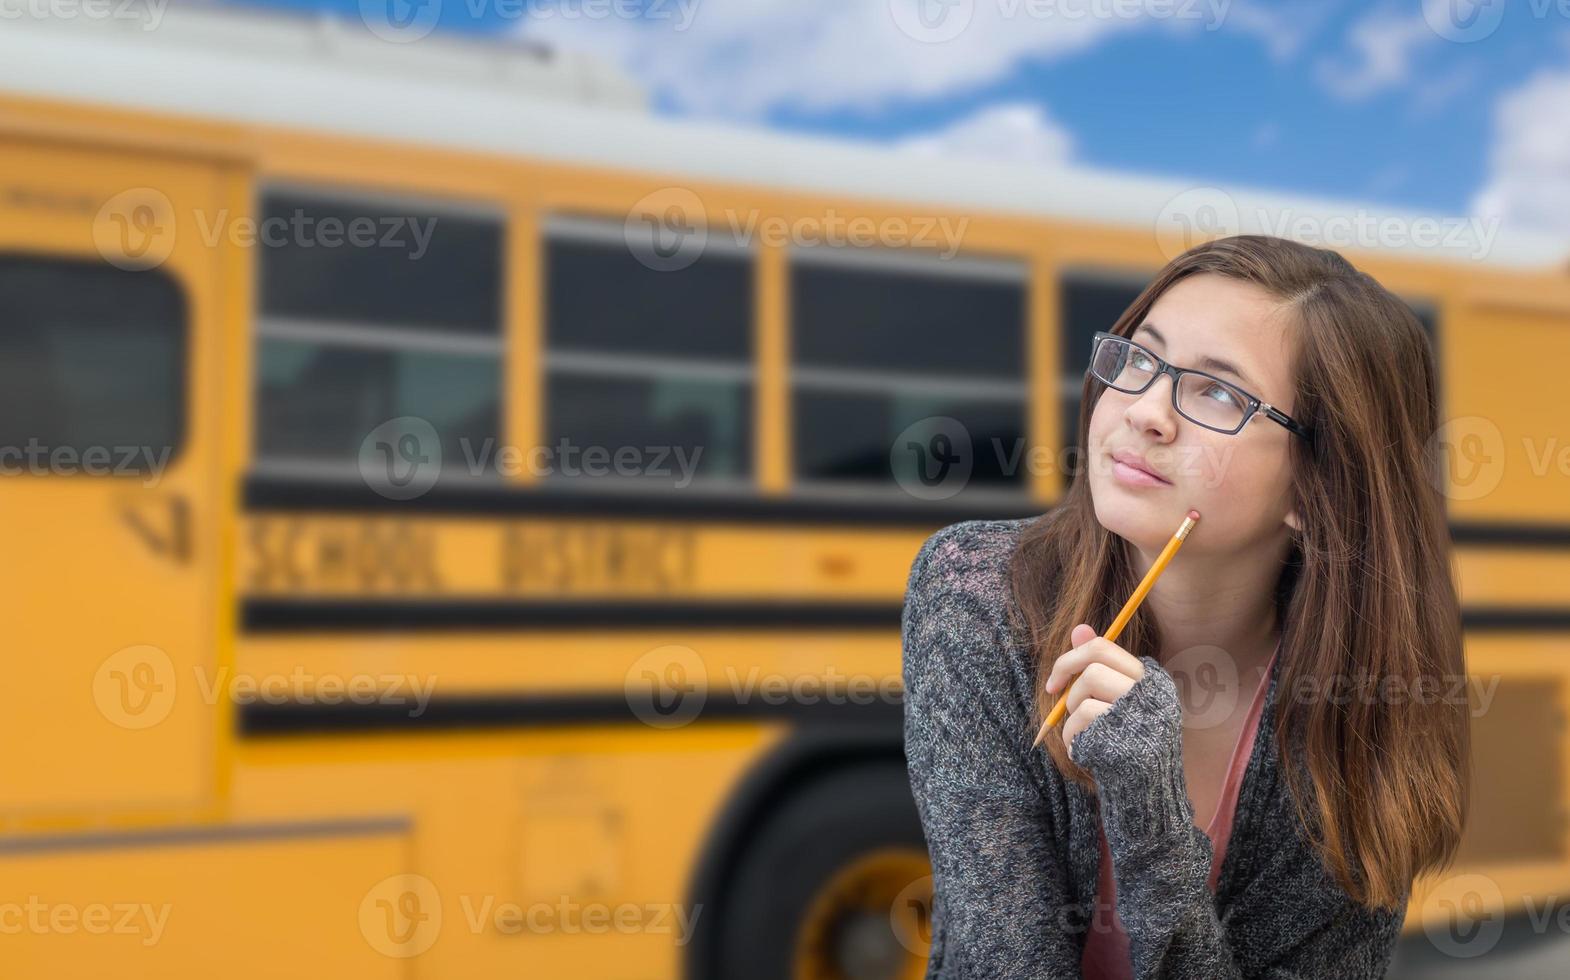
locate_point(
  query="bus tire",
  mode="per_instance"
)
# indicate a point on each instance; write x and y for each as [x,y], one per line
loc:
[813,893]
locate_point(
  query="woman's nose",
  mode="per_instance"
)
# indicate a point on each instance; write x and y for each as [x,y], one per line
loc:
[1152,409]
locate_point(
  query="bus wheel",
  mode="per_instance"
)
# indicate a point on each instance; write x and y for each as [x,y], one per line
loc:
[835,885]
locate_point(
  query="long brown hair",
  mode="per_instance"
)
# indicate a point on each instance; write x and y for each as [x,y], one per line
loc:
[1366,591]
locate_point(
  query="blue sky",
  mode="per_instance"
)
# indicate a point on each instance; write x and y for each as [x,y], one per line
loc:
[1349,99]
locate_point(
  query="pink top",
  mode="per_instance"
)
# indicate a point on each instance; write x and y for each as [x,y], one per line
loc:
[1106,955]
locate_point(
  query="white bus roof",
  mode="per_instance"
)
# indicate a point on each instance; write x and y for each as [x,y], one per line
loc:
[508,97]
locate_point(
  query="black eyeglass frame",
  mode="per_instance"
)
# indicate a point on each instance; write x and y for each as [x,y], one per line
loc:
[1255,404]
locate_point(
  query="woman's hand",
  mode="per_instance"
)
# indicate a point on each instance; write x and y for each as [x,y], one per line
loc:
[1105,673]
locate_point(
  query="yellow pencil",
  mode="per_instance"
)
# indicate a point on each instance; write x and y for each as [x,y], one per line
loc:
[1061,708]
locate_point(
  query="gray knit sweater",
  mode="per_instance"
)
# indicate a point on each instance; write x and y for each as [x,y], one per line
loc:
[1014,846]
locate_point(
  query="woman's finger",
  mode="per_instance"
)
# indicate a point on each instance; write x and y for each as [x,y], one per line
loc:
[1097,650]
[1078,720]
[1098,682]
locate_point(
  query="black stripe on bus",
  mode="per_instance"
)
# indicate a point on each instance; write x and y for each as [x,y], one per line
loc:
[513,711]
[269,494]
[302,615]
[352,615]
[264,494]
[1515,619]
[198,835]
[503,711]
[1510,534]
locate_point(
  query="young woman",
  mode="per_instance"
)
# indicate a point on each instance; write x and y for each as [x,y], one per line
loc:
[1248,781]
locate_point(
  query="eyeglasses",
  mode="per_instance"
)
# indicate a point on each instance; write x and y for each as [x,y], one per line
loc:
[1203,399]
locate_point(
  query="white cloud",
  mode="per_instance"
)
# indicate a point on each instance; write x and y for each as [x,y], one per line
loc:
[1529,165]
[1283,31]
[1020,132]
[1382,48]
[1435,93]
[740,58]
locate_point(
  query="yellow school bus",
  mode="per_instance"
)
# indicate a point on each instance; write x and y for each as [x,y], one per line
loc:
[461,532]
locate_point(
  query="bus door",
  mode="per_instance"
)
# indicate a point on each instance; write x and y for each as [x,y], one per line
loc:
[108,356]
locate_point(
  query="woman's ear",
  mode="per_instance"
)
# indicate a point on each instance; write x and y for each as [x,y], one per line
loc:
[1293,522]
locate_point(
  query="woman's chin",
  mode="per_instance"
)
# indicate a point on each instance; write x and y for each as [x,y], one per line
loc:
[1139,523]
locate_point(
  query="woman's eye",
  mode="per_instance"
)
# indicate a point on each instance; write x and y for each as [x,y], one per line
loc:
[1141,361]
[1220,393]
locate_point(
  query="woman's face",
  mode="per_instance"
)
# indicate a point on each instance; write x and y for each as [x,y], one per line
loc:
[1238,483]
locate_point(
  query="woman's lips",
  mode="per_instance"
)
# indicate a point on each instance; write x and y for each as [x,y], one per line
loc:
[1130,476]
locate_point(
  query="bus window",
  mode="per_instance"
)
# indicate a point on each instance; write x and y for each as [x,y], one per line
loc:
[890,346]
[92,358]
[653,363]
[1089,301]
[374,310]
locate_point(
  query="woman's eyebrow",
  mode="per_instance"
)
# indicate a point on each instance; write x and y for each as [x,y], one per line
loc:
[1207,362]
